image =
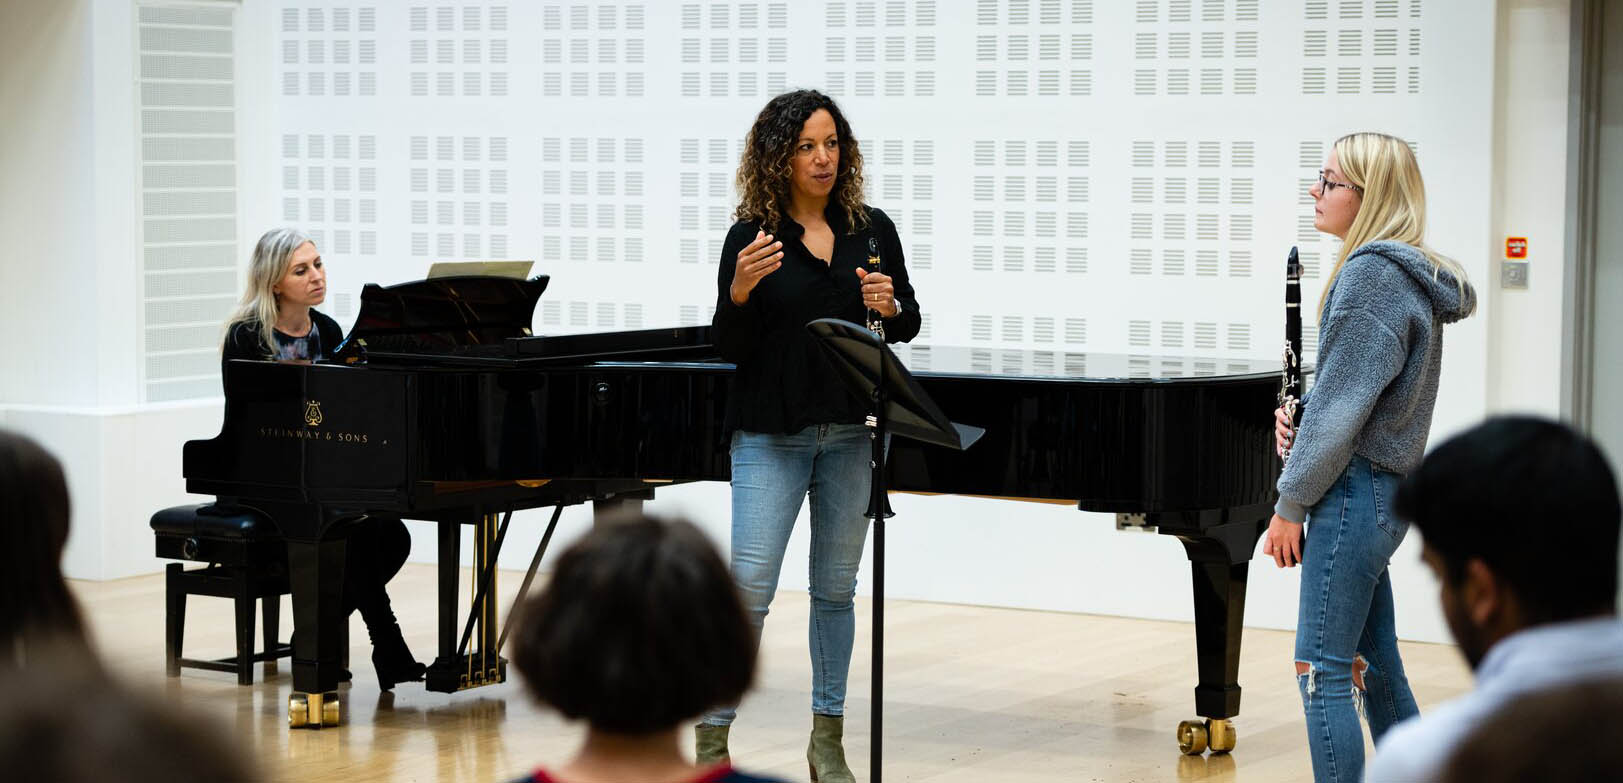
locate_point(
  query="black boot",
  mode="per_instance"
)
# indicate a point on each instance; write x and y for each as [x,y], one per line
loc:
[392,658]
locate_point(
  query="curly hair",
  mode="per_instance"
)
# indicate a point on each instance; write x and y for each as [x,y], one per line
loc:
[764,173]
[640,629]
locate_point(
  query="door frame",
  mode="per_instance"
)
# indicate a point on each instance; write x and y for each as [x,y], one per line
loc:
[1583,158]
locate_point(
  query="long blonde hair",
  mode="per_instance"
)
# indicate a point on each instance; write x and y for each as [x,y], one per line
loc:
[1393,204]
[272,257]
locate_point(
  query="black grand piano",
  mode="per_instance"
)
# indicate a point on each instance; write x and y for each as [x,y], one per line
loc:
[443,407]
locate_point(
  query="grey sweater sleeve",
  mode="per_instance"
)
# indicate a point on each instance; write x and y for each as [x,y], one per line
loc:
[1359,355]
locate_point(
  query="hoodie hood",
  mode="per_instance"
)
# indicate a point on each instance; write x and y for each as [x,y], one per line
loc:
[1451,299]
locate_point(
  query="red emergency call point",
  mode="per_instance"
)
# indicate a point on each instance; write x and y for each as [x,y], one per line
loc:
[1515,247]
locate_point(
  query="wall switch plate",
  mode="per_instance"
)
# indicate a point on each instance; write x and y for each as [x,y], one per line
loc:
[1513,274]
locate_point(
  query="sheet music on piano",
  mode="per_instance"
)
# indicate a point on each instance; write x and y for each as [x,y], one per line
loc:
[516,270]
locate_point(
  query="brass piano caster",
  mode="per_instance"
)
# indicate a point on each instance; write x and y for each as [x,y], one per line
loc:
[1195,737]
[313,710]
[1192,737]
[1220,736]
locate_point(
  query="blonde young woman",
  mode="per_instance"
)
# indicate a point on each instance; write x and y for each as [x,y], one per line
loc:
[277,321]
[1364,425]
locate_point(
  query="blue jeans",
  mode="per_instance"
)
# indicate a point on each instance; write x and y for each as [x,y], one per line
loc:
[772,475]
[1345,612]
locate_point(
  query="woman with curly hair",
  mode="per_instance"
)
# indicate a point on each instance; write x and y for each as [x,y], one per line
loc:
[798,252]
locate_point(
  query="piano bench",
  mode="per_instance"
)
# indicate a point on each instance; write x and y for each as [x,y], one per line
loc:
[245,559]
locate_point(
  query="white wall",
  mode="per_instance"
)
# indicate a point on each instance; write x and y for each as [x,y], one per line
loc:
[68,203]
[455,116]
[1529,164]
[1488,118]
[46,89]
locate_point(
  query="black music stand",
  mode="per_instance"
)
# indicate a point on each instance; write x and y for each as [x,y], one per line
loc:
[869,369]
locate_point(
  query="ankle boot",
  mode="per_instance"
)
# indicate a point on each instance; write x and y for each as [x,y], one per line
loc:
[825,755]
[710,744]
[391,658]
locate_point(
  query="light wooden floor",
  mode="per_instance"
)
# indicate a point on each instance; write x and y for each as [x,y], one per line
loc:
[971,694]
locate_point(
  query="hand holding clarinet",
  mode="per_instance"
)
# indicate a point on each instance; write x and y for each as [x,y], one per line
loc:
[878,291]
[1283,541]
[1289,413]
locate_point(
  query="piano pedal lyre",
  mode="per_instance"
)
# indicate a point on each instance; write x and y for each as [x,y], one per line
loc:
[478,661]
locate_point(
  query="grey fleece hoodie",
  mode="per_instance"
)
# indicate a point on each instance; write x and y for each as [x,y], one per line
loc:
[1380,352]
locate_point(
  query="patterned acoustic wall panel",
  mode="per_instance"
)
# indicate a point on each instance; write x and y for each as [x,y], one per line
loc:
[1068,175]
[188,193]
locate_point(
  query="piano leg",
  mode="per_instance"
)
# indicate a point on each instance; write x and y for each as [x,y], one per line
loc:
[618,504]
[316,576]
[1219,614]
[443,674]
[1219,556]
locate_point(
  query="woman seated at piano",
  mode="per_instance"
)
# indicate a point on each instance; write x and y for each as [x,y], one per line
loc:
[277,321]
[800,251]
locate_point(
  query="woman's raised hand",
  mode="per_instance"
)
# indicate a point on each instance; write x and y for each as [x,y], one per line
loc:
[758,259]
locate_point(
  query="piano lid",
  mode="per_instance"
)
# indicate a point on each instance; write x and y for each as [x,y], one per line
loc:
[680,343]
[446,313]
[1017,364]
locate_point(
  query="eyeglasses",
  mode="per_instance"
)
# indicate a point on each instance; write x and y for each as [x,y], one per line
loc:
[1329,186]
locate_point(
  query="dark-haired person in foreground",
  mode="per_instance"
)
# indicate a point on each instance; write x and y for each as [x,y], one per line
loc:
[799,252]
[64,719]
[35,605]
[1567,734]
[1520,519]
[639,631]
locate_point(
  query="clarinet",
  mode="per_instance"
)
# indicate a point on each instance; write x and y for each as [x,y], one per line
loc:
[1290,379]
[876,323]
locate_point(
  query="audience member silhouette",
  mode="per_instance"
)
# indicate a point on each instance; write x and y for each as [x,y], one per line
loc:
[639,631]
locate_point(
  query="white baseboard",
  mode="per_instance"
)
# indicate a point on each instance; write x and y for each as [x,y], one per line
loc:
[122,464]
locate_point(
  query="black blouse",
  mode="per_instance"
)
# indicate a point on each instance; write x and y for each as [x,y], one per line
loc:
[784,384]
[242,340]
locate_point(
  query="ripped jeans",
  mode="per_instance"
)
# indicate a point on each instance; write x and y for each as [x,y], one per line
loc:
[1345,612]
